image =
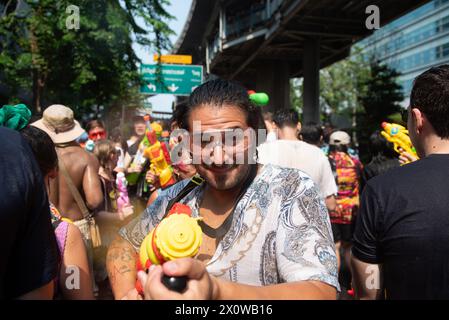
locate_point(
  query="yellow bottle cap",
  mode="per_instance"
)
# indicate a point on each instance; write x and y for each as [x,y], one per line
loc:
[178,236]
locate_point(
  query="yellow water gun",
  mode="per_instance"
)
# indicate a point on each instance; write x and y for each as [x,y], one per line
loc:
[178,235]
[157,153]
[398,135]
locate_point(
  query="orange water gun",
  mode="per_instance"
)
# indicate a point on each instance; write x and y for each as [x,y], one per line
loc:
[157,153]
[178,235]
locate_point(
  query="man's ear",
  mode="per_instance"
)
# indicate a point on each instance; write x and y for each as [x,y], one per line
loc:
[298,127]
[418,119]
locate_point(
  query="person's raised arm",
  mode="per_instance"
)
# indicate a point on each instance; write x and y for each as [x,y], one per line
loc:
[92,183]
[122,271]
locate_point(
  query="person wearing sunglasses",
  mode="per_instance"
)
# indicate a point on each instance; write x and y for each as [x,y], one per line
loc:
[96,130]
[401,239]
[266,230]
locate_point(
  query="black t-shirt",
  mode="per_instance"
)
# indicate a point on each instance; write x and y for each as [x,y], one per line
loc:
[403,224]
[29,253]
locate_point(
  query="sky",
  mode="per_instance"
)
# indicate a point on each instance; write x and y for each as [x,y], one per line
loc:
[179,9]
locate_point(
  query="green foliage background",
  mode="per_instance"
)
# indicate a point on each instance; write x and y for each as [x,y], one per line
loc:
[93,66]
[358,88]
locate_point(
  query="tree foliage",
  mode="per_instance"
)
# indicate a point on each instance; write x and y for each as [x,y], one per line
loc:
[380,99]
[359,89]
[94,65]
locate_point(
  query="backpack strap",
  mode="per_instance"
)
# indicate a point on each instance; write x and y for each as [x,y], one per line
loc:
[194,182]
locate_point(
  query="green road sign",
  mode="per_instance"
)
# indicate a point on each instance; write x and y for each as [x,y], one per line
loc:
[179,80]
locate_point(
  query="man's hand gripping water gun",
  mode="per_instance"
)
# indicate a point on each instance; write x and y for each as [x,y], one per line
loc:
[177,236]
[398,135]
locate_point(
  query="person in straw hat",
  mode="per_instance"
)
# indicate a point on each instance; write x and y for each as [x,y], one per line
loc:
[78,172]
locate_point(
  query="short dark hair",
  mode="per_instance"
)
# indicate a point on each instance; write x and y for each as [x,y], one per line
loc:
[338,148]
[219,93]
[378,145]
[286,117]
[43,148]
[430,94]
[138,119]
[178,115]
[96,123]
[312,132]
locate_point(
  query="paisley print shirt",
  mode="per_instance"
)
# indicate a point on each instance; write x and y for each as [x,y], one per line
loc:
[280,231]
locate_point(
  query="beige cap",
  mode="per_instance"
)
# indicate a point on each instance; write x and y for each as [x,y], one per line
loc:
[339,138]
[59,123]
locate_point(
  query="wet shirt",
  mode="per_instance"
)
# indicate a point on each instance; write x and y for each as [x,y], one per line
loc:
[280,231]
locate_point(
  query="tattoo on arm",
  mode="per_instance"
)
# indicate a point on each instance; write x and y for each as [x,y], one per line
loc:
[120,260]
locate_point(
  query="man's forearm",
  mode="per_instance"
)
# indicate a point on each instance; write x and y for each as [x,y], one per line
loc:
[121,266]
[331,203]
[302,290]
[366,279]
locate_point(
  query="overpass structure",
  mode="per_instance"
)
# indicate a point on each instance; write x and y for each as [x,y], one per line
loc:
[264,43]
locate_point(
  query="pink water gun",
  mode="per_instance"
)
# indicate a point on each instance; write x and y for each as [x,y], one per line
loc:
[123,199]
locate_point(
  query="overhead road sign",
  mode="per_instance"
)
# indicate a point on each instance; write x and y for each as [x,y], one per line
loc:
[170,79]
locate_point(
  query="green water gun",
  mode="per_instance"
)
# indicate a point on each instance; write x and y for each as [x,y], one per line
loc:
[258,98]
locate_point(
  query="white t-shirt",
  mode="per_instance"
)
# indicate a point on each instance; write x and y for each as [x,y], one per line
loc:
[272,136]
[280,231]
[303,156]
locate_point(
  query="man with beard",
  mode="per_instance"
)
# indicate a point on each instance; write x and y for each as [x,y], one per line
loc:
[266,231]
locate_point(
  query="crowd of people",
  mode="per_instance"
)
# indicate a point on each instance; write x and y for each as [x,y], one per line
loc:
[306,220]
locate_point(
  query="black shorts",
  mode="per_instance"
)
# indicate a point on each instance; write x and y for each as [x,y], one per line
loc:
[342,232]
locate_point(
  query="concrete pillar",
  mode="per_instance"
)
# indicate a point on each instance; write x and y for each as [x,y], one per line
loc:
[311,67]
[273,78]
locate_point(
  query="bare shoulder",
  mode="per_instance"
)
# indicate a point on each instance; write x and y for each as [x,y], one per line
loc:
[91,159]
[81,157]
